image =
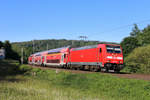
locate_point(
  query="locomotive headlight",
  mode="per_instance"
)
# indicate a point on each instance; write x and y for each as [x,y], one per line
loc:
[110,57]
[120,62]
[120,58]
[108,61]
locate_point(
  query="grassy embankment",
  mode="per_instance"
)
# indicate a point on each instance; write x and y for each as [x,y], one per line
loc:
[37,84]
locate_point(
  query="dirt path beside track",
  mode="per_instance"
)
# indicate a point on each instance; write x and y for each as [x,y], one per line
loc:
[121,75]
[134,76]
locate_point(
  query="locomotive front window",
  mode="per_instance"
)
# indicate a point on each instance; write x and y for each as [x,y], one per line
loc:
[113,49]
[117,50]
[110,49]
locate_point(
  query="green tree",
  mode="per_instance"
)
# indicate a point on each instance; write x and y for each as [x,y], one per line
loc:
[10,54]
[135,31]
[1,44]
[128,44]
[8,50]
[144,38]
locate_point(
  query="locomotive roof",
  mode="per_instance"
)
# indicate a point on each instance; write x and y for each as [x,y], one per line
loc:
[89,47]
[85,47]
[39,53]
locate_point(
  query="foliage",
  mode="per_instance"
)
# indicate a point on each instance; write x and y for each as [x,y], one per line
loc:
[139,60]
[135,31]
[128,44]
[136,39]
[9,67]
[24,68]
[10,53]
[1,44]
[144,37]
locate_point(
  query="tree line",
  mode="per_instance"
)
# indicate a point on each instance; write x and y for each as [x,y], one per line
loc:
[136,39]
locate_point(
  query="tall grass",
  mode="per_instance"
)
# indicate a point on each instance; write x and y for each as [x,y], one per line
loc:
[32,89]
[40,84]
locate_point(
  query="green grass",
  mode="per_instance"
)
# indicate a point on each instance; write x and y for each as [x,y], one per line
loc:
[32,89]
[37,84]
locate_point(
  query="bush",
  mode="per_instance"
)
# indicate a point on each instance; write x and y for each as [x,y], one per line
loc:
[138,61]
[25,68]
[9,67]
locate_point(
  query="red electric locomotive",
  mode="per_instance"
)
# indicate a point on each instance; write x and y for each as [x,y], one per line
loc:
[104,57]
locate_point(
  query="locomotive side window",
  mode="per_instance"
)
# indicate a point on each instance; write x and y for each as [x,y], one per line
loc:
[117,49]
[100,50]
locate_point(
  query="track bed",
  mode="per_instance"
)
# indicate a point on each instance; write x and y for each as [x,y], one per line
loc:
[121,75]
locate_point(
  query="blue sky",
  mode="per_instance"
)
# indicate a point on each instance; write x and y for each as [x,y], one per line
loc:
[24,20]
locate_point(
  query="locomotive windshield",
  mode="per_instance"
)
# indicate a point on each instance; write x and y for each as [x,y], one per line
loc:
[113,49]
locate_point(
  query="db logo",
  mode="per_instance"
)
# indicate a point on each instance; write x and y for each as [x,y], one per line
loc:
[114,57]
[81,56]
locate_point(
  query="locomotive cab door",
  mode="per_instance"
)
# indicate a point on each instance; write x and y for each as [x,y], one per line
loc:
[100,56]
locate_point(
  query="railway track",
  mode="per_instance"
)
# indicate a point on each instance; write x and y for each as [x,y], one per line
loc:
[61,69]
[121,75]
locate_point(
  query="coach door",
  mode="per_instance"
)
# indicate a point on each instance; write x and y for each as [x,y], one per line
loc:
[62,59]
[45,60]
[42,59]
[32,60]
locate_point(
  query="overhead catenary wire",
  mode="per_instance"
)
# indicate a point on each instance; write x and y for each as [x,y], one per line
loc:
[125,26]
[79,34]
[120,27]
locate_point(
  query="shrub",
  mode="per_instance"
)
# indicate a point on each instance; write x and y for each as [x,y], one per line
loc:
[9,67]
[138,61]
[25,68]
